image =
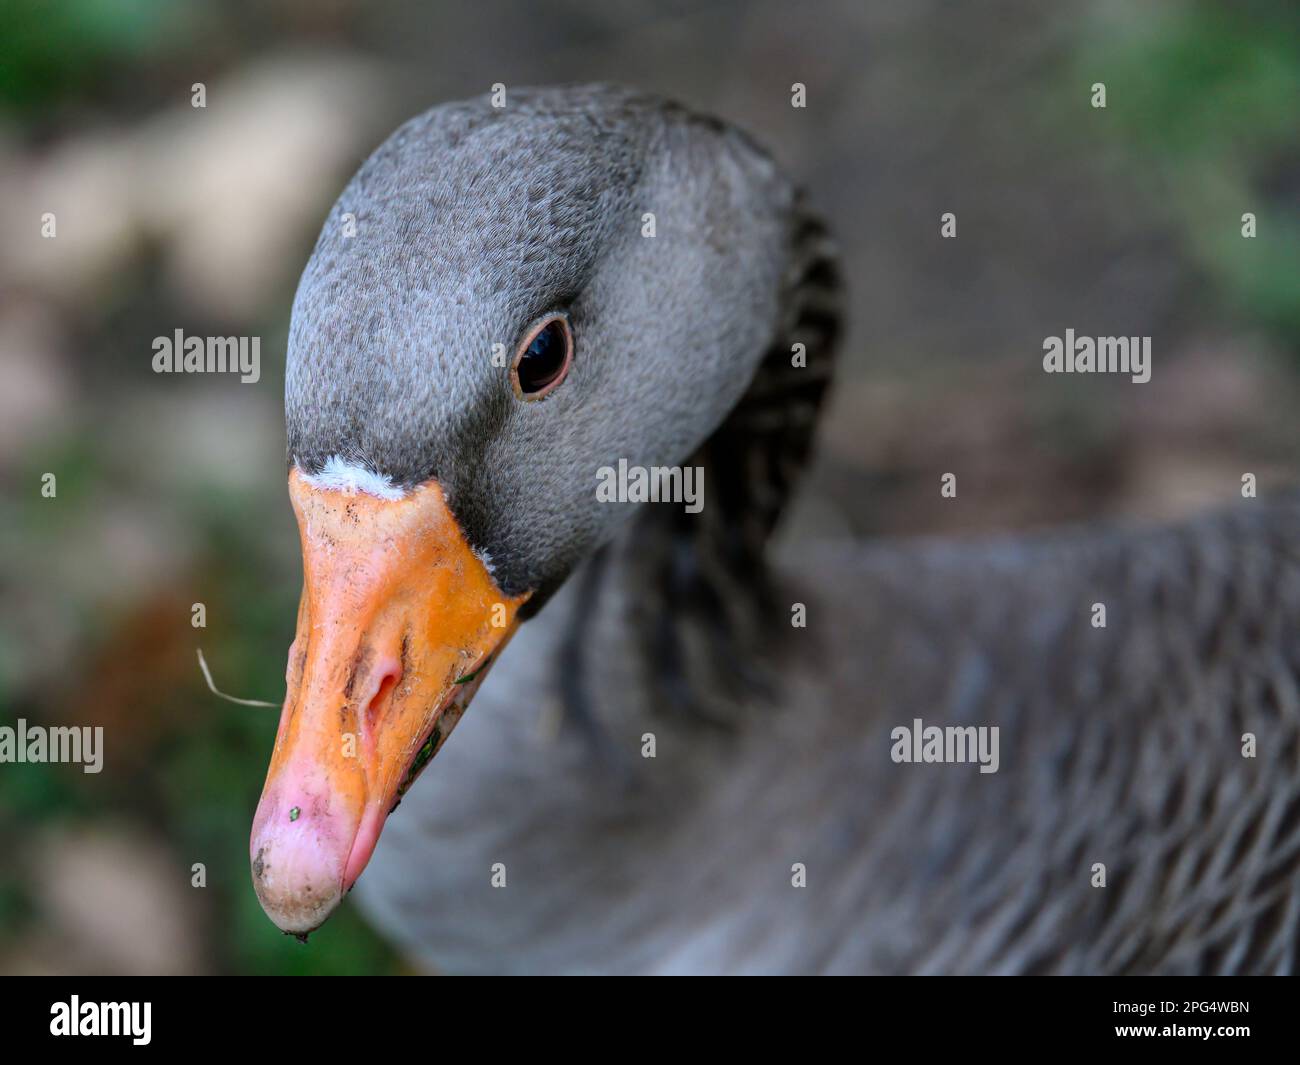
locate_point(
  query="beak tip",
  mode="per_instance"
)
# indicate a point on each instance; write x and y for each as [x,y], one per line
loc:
[297,874]
[295,897]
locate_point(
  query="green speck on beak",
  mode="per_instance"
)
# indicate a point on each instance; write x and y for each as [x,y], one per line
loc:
[470,676]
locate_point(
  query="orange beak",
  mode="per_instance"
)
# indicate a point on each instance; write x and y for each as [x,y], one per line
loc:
[398,623]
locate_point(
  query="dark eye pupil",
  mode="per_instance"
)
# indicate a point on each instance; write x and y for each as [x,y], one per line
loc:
[543,359]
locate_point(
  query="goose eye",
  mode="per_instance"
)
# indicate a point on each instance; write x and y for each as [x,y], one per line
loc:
[543,358]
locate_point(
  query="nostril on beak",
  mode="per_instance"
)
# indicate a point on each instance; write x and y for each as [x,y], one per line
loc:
[386,677]
[386,687]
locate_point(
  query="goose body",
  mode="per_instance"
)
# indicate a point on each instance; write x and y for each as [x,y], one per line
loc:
[1120,746]
[771,831]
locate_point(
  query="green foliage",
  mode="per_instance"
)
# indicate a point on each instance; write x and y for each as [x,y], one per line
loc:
[1204,97]
[51,51]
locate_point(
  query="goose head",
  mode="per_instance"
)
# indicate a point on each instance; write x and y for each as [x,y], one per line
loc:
[502,302]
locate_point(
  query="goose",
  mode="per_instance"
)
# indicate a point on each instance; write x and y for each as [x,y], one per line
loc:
[683,754]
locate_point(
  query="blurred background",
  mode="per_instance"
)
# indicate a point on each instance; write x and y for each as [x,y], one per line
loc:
[170,489]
